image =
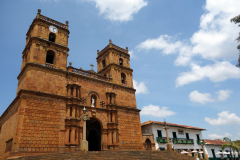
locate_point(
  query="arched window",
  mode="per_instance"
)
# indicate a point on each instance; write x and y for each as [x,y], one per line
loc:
[123,78]
[50,57]
[93,100]
[103,63]
[52,37]
[120,61]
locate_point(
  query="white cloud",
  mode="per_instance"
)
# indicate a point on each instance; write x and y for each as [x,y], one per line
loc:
[217,72]
[156,111]
[195,96]
[119,10]
[163,42]
[131,54]
[140,87]
[224,118]
[223,94]
[214,40]
[217,136]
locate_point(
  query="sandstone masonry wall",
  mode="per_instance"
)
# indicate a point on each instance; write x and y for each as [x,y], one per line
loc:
[8,128]
[130,135]
[43,117]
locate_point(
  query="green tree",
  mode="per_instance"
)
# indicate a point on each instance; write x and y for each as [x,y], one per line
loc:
[237,20]
[232,145]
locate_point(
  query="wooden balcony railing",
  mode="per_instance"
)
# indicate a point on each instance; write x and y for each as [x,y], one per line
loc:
[182,141]
[200,141]
[161,139]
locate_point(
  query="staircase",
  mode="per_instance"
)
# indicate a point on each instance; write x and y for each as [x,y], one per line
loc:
[110,155]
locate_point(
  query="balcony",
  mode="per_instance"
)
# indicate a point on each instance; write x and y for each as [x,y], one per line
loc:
[199,141]
[161,139]
[182,141]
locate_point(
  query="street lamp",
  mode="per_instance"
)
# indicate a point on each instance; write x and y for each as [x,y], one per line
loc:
[84,142]
[201,143]
[84,110]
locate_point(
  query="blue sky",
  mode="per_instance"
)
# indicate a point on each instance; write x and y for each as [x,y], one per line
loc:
[183,53]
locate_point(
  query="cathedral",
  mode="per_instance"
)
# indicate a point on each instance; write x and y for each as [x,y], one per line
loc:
[45,116]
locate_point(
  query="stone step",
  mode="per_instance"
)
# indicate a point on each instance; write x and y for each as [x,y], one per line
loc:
[111,155]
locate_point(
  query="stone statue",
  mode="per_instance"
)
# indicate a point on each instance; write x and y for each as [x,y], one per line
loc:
[93,101]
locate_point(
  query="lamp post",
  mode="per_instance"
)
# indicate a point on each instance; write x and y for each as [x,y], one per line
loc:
[84,142]
[205,155]
[169,145]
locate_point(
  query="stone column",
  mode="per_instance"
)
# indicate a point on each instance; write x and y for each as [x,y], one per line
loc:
[84,142]
[84,131]
[67,136]
[69,92]
[110,137]
[79,92]
[113,117]
[72,135]
[73,112]
[104,139]
[77,112]
[68,112]
[76,135]
[113,98]
[114,137]
[109,116]
[74,91]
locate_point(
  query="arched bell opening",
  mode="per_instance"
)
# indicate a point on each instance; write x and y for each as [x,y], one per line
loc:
[52,37]
[50,57]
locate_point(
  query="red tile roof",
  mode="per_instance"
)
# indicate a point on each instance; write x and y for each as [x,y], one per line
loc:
[171,124]
[217,142]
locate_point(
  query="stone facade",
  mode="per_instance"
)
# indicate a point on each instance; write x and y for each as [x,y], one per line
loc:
[44,116]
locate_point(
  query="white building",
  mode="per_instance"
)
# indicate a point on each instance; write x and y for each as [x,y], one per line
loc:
[181,136]
[212,147]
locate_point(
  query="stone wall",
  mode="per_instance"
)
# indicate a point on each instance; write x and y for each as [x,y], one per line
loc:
[130,136]
[8,125]
[42,79]
[43,117]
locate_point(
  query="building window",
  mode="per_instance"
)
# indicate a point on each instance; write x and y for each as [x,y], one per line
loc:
[187,136]
[103,63]
[52,37]
[50,57]
[123,78]
[213,153]
[174,134]
[198,138]
[120,61]
[8,145]
[159,132]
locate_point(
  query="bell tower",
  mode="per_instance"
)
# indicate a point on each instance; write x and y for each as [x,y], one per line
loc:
[114,63]
[46,43]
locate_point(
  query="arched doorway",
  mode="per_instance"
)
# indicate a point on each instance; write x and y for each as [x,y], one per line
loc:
[148,145]
[94,135]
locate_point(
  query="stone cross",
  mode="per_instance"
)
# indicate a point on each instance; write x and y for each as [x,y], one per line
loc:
[169,145]
[92,66]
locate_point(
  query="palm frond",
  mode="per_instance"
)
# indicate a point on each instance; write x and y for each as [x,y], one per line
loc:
[227,139]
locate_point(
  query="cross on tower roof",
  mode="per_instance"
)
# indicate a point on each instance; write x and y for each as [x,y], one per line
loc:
[92,66]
